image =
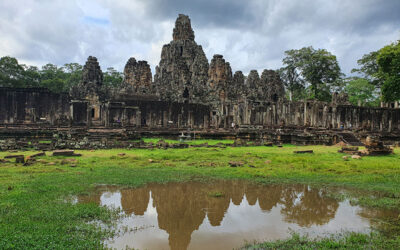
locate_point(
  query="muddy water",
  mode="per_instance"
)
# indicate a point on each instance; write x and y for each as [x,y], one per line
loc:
[191,216]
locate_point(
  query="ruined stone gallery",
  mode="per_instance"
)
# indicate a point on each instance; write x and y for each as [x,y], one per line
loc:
[189,93]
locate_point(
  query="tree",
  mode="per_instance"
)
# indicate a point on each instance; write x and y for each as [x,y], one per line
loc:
[53,78]
[293,82]
[74,74]
[389,70]
[318,70]
[369,68]
[32,76]
[112,78]
[361,90]
[11,73]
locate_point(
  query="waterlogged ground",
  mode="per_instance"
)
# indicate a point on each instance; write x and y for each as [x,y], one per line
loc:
[227,214]
[35,214]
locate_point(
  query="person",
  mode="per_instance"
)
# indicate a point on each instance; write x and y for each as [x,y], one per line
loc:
[233,125]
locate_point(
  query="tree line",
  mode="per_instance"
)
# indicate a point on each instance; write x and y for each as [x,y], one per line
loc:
[56,79]
[310,73]
[307,73]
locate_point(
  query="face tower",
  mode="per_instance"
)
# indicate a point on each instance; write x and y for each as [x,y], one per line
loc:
[182,73]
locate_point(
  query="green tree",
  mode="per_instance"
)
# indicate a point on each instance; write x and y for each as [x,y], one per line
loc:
[389,70]
[293,82]
[74,74]
[54,78]
[31,76]
[112,78]
[369,68]
[12,74]
[318,70]
[361,90]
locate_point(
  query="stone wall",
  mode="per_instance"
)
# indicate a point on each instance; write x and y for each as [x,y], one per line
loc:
[33,106]
[41,107]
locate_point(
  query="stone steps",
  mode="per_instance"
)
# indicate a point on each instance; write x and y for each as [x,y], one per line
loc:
[350,139]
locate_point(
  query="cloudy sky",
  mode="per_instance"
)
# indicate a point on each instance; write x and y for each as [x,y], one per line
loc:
[251,34]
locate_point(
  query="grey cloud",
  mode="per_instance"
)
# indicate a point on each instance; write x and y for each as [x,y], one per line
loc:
[250,34]
[207,13]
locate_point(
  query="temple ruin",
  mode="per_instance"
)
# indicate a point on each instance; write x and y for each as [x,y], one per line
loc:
[187,95]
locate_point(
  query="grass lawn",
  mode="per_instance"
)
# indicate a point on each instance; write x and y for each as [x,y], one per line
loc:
[34,212]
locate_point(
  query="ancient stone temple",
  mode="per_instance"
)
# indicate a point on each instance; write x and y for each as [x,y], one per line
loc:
[188,93]
[182,73]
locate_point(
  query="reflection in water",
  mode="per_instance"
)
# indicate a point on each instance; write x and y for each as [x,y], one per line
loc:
[306,206]
[244,212]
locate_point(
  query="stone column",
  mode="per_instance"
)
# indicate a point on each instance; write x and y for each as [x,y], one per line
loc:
[71,108]
[190,119]
[325,116]
[88,115]
[179,120]
[149,119]
[123,119]
[165,119]
[106,117]
[338,118]
[206,122]
[305,113]
[138,118]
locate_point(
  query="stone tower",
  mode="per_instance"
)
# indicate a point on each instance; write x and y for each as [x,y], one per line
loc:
[271,87]
[182,73]
[137,77]
[92,81]
[268,87]
[220,77]
[236,90]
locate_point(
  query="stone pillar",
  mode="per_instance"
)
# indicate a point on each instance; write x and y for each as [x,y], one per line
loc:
[334,118]
[325,116]
[106,115]
[149,119]
[88,115]
[138,118]
[123,119]
[305,113]
[71,109]
[179,120]
[190,119]
[206,122]
[165,119]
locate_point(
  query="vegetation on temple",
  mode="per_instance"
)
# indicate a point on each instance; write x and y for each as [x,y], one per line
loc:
[35,211]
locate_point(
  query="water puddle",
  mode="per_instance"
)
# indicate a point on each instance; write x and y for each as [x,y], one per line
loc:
[226,214]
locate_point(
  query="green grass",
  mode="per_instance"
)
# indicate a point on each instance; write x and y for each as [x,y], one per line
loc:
[34,212]
[346,241]
[190,142]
